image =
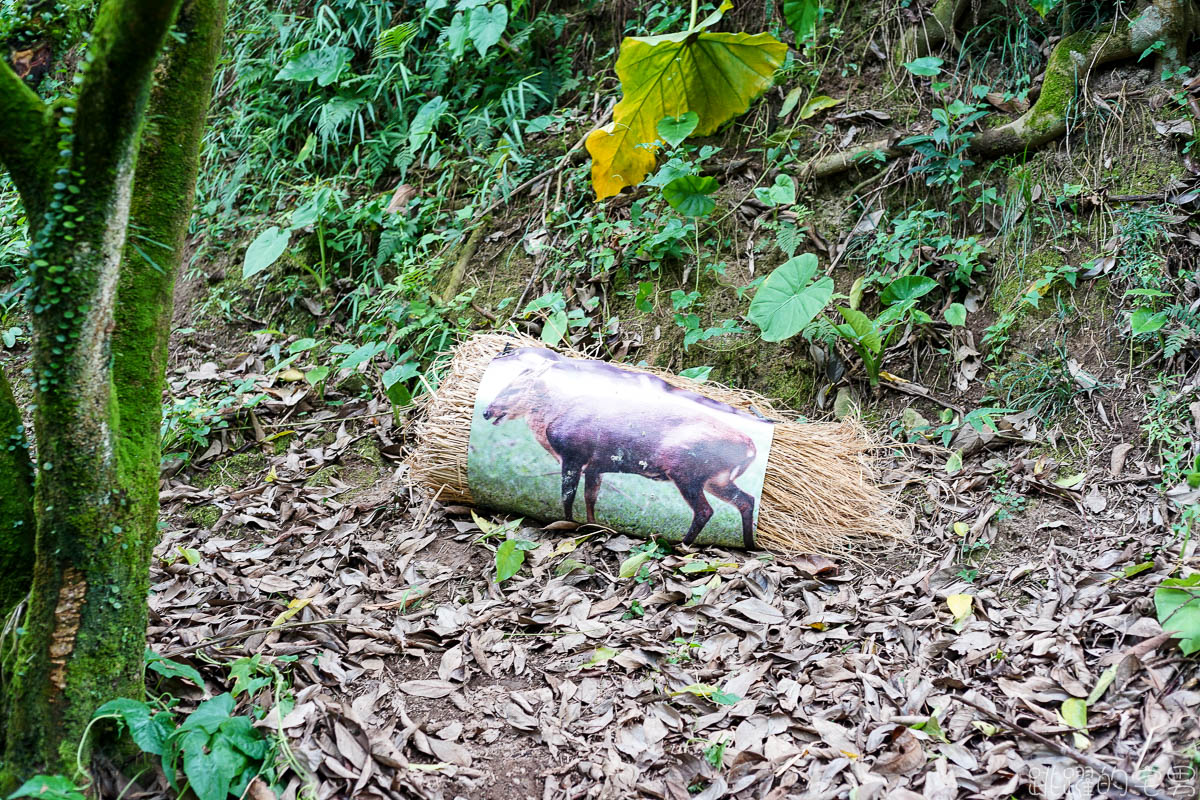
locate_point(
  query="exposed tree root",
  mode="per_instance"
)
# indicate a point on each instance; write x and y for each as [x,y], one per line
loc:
[935,31]
[1071,63]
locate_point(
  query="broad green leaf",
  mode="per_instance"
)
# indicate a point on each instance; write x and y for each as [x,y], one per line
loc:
[924,67]
[1044,7]
[817,104]
[631,565]
[555,328]
[954,464]
[49,787]
[909,287]
[1074,713]
[486,26]
[1143,320]
[1070,481]
[394,382]
[325,65]
[689,195]
[246,677]
[716,75]
[801,16]
[862,328]
[363,354]
[172,669]
[673,130]
[425,121]
[241,733]
[457,35]
[781,193]
[264,251]
[1177,603]
[1102,683]
[956,314]
[300,345]
[209,715]
[316,375]
[601,656]
[509,559]
[642,301]
[211,769]
[789,298]
[699,374]
[148,730]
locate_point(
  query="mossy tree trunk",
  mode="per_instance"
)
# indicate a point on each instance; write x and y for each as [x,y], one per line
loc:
[116,162]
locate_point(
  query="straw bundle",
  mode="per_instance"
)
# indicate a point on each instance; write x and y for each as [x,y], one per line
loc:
[819,494]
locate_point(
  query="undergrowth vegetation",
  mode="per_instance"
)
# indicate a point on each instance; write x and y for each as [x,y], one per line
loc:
[379,179]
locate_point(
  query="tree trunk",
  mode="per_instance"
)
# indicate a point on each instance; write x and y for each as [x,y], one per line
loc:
[101,314]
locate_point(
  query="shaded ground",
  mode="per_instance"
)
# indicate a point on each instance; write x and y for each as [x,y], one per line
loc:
[416,676]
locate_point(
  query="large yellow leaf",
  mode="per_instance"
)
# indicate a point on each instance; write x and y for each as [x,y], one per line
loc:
[716,75]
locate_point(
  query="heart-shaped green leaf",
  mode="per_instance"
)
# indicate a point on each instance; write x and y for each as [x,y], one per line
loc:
[486,26]
[909,287]
[324,65]
[1143,320]
[674,130]
[924,67]
[789,298]
[956,314]
[689,195]
[801,16]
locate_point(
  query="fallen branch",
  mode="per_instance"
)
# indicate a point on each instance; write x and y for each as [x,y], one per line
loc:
[464,258]
[229,637]
[1117,776]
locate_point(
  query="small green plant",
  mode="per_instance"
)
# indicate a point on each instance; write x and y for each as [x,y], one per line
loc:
[870,338]
[1177,604]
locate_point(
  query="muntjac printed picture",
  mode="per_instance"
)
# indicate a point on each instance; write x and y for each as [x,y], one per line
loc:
[653,459]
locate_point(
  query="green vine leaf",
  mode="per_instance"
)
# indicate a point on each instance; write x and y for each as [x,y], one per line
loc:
[715,75]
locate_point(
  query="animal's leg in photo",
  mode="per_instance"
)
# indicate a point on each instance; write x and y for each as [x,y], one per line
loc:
[591,491]
[693,494]
[570,484]
[742,501]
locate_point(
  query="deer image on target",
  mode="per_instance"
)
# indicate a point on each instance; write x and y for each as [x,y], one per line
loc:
[651,457]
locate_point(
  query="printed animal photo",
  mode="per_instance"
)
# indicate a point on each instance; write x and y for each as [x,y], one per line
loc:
[652,459]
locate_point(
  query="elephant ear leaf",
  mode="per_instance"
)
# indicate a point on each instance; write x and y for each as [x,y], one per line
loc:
[715,75]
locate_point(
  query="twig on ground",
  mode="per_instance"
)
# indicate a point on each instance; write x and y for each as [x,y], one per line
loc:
[229,637]
[1117,776]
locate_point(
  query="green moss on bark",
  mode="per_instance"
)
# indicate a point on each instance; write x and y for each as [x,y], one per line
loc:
[16,504]
[97,392]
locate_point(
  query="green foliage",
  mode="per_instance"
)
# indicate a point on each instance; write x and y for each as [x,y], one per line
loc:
[1177,604]
[802,16]
[715,75]
[49,787]
[689,195]
[790,298]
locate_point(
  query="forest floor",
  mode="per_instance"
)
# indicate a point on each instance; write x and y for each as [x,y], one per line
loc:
[415,675]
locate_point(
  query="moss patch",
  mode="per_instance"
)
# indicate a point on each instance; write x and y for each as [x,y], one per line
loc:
[235,470]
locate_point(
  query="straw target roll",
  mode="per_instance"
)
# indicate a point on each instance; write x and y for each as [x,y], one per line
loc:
[518,427]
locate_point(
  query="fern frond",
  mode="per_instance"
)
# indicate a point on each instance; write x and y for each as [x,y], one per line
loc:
[391,43]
